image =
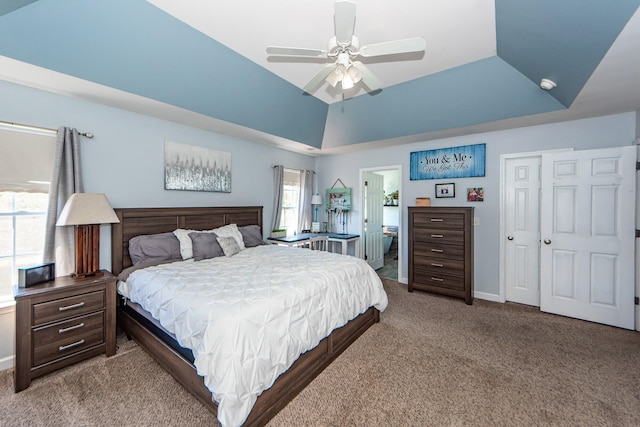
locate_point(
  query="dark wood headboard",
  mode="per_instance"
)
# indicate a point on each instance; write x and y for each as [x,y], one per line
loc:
[139,221]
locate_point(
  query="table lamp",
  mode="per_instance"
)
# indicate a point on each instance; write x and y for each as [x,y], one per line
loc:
[86,212]
[316,200]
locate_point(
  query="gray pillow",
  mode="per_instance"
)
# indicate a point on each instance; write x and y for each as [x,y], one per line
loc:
[229,245]
[251,235]
[163,246]
[205,246]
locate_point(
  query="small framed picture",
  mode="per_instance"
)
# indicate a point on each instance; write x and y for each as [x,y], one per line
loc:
[445,190]
[475,194]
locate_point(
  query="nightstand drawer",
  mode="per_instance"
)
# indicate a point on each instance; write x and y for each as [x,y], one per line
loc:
[67,330]
[67,345]
[66,307]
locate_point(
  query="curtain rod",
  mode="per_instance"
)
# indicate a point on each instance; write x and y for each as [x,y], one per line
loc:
[278,166]
[40,128]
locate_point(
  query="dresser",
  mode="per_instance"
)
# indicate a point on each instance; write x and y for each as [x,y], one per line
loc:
[441,250]
[62,322]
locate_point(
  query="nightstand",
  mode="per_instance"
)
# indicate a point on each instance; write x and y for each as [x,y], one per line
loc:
[62,322]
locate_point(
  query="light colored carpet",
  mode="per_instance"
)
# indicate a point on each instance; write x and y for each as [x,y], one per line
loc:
[430,361]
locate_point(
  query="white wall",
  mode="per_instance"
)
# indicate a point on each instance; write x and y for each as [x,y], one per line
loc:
[600,132]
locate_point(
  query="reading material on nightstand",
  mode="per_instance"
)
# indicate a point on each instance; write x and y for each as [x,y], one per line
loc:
[62,322]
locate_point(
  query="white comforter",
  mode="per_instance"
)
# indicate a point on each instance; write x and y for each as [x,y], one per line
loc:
[247,318]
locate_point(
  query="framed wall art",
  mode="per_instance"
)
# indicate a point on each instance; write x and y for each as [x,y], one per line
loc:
[194,168]
[445,190]
[455,162]
[475,194]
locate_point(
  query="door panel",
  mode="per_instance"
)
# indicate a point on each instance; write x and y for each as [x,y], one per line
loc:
[374,243]
[522,188]
[588,234]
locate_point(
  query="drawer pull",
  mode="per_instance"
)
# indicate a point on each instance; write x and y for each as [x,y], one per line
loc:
[68,346]
[437,220]
[70,328]
[437,279]
[433,264]
[437,236]
[437,250]
[71,307]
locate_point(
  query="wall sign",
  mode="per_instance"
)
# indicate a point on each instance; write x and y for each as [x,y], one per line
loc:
[455,162]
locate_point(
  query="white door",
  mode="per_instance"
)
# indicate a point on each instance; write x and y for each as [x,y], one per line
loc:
[522,230]
[374,202]
[588,234]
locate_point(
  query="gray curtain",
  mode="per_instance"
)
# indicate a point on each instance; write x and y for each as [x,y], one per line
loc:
[66,179]
[278,182]
[306,193]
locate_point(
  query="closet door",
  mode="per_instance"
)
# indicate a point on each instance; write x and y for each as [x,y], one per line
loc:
[588,235]
[522,230]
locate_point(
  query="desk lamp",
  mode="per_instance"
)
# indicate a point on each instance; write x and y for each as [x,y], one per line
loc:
[316,200]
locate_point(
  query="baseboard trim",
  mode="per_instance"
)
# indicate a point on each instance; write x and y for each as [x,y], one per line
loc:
[7,363]
[487,296]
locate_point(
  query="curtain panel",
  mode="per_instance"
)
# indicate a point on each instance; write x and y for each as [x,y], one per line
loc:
[66,179]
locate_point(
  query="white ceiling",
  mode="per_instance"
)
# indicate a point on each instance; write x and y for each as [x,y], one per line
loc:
[457,32]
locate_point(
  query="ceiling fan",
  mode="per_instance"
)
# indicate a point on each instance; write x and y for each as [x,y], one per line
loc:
[343,48]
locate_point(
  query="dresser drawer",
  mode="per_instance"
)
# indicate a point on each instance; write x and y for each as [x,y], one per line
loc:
[66,307]
[444,265]
[438,220]
[439,279]
[436,250]
[442,236]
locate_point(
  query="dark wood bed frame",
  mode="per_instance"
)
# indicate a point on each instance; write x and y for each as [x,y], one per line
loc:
[139,221]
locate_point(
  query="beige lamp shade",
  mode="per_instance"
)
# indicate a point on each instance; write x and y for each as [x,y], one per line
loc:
[87,208]
[316,199]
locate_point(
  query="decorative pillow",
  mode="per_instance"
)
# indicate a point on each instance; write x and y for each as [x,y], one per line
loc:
[205,246]
[230,230]
[251,236]
[186,247]
[163,246]
[229,245]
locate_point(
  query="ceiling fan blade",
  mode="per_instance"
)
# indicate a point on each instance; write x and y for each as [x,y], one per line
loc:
[416,44]
[368,78]
[319,78]
[296,51]
[345,21]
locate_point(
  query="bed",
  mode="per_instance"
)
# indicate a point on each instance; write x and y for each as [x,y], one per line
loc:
[161,340]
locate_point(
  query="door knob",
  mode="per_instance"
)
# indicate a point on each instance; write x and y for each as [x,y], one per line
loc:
[510,237]
[547,241]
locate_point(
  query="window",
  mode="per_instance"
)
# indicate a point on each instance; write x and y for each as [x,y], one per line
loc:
[22,227]
[290,201]
[25,167]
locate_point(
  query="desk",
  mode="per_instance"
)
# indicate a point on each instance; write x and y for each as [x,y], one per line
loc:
[343,239]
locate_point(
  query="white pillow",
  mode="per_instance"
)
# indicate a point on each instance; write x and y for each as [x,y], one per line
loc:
[231,230]
[186,245]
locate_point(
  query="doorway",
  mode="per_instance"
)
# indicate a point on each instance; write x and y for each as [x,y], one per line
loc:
[382,219]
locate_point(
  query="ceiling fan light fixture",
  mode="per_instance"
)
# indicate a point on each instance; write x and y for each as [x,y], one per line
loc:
[354,74]
[334,77]
[347,82]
